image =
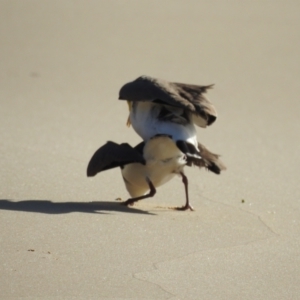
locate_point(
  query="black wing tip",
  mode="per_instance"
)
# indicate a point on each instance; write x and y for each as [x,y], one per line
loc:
[90,172]
[215,169]
[211,119]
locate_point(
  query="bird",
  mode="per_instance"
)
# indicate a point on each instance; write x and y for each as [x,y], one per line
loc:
[151,164]
[157,106]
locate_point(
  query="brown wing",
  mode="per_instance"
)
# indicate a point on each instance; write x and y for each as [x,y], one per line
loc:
[113,155]
[202,158]
[211,161]
[187,96]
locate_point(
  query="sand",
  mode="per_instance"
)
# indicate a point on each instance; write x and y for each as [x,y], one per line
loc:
[64,235]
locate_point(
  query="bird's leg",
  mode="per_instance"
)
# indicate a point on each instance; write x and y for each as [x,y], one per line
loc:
[150,194]
[187,203]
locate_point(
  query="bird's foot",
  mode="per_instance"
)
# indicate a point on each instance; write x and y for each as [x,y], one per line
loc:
[129,202]
[185,207]
[118,199]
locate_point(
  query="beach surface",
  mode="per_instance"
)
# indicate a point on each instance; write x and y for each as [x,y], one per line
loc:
[65,236]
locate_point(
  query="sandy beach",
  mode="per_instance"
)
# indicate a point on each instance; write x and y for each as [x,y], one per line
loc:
[63,235]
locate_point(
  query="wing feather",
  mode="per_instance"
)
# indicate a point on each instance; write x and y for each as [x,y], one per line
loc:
[212,160]
[112,155]
[187,96]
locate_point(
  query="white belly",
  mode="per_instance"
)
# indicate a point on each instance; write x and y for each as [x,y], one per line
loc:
[163,161]
[144,121]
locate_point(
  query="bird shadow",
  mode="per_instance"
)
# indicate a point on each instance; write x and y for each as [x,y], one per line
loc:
[49,207]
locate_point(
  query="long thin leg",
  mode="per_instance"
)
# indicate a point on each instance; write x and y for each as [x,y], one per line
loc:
[187,202]
[150,194]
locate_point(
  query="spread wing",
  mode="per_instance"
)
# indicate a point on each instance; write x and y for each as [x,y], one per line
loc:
[186,96]
[113,155]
